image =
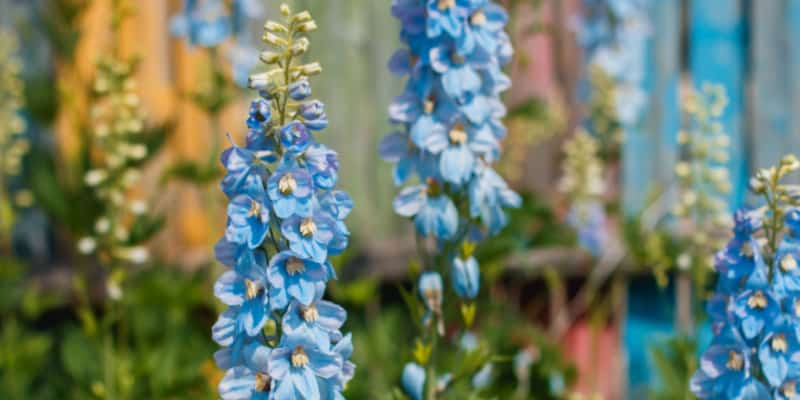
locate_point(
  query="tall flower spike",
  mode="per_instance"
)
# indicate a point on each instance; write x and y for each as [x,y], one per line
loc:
[119,148]
[448,134]
[13,144]
[754,310]
[281,340]
[703,178]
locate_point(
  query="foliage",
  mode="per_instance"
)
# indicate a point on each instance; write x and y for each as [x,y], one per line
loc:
[675,362]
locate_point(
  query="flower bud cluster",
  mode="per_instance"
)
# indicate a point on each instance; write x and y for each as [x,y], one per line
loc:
[118,150]
[13,143]
[702,176]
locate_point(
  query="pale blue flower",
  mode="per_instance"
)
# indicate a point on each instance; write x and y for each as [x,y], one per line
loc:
[465,274]
[413,380]
[296,364]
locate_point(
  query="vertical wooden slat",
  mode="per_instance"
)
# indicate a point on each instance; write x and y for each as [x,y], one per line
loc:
[653,169]
[717,52]
[640,141]
[793,82]
[771,82]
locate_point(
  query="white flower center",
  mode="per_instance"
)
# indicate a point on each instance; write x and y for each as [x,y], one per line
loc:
[287,184]
[788,263]
[295,265]
[735,361]
[310,313]
[457,135]
[299,357]
[251,289]
[255,209]
[479,18]
[778,343]
[308,227]
[757,300]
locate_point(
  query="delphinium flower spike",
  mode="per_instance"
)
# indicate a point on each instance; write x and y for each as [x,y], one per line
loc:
[755,310]
[448,135]
[13,144]
[281,339]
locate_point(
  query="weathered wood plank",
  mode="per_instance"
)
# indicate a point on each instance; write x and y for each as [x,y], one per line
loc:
[718,53]
[771,123]
[661,125]
[792,15]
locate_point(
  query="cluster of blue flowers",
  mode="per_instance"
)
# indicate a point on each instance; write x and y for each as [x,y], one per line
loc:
[281,340]
[209,23]
[614,35]
[449,132]
[755,313]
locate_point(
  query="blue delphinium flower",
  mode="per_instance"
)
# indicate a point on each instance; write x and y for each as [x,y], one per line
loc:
[754,312]
[281,340]
[448,133]
[209,23]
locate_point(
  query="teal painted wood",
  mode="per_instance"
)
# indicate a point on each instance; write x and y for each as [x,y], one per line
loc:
[772,82]
[640,142]
[661,125]
[718,53]
[793,82]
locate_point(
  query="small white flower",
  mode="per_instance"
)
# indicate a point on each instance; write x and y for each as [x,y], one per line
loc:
[684,261]
[113,290]
[138,207]
[87,245]
[102,225]
[95,177]
[136,255]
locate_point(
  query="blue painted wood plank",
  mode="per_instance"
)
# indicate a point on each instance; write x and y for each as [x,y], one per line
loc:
[640,147]
[772,97]
[660,130]
[793,38]
[718,53]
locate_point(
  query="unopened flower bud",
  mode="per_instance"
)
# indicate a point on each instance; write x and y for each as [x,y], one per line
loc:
[261,82]
[273,26]
[309,26]
[270,57]
[273,39]
[299,47]
[311,69]
[285,10]
[300,17]
[300,90]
